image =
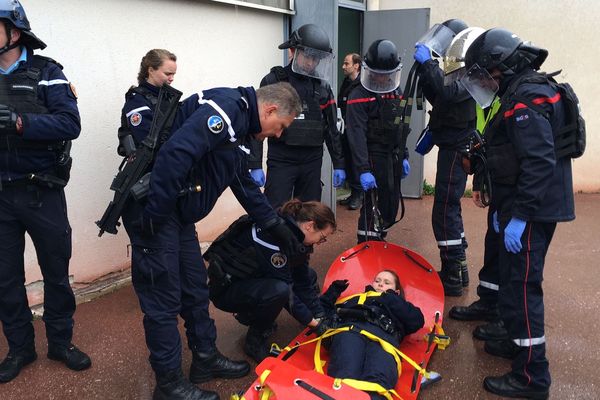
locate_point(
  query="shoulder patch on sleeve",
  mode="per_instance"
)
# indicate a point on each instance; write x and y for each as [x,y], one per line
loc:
[135,119]
[73,90]
[215,124]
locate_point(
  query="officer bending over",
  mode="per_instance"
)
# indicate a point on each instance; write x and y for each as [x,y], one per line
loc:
[375,138]
[38,119]
[200,160]
[251,277]
[294,161]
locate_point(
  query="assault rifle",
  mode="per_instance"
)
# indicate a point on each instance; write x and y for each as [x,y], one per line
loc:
[135,166]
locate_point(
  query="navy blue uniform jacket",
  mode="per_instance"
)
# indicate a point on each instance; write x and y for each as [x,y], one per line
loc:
[199,154]
[544,188]
[61,123]
[406,317]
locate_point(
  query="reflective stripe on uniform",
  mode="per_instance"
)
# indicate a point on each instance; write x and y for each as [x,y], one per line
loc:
[139,109]
[530,342]
[53,82]
[262,242]
[368,233]
[222,113]
[489,285]
[454,242]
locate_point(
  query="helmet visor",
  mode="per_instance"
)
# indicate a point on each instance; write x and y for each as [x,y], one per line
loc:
[380,81]
[454,76]
[438,38]
[454,58]
[312,62]
[480,84]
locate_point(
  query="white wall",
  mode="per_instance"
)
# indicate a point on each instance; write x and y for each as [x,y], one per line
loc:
[568,29]
[100,44]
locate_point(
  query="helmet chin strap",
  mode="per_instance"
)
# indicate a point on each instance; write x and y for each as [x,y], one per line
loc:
[8,46]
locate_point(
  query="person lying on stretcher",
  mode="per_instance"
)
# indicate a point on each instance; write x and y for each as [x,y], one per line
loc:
[381,311]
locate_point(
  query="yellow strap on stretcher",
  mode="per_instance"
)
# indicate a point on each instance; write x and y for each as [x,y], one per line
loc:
[367,387]
[439,337]
[361,297]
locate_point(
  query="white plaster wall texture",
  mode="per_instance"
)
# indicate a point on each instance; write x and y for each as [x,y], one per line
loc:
[100,44]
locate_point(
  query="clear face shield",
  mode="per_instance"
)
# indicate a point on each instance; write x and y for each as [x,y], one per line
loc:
[438,38]
[380,81]
[480,84]
[454,60]
[312,62]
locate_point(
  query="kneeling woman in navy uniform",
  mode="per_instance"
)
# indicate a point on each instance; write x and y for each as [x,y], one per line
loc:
[383,312]
[250,276]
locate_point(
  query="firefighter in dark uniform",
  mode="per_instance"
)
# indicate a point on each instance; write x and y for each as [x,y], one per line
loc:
[251,277]
[532,190]
[294,161]
[451,123]
[486,307]
[376,140]
[194,166]
[38,119]
[351,68]
[157,68]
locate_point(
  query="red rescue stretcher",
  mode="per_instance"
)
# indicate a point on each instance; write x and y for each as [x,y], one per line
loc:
[294,375]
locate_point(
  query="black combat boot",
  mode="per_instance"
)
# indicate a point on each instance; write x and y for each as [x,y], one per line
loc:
[70,355]
[356,199]
[172,385]
[502,348]
[206,366]
[15,361]
[464,273]
[507,385]
[451,276]
[256,345]
[491,331]
[478,310]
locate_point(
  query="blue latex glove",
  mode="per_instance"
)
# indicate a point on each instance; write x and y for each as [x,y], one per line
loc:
[367,181]
[495,223]
[422,53]
[512,235]
[405,168]
[339,176]
[259,176]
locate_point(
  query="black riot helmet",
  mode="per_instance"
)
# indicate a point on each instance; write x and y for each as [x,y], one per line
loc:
[499,48]
[382,55]
[381,67]
[13,15]
[456,25]
[308,35]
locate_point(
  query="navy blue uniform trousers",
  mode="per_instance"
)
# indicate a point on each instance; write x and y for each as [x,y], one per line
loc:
[170,279]
[521,301]
[446,219]
[386,171]
[290,179]
[488,287]
[366,361]
[42,213]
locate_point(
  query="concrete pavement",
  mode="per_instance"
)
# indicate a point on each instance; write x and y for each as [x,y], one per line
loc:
[110,328]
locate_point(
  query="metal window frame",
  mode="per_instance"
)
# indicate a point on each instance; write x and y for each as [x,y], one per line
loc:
[360,5]
[291,11]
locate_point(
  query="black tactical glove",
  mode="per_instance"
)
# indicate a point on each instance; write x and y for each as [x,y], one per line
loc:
[8,120]
[324,325]
[286,239]
[335,290]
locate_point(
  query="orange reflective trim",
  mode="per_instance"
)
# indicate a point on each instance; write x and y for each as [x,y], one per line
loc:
[361,100]
[539,100]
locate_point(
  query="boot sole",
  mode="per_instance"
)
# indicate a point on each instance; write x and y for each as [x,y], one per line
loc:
[517,395]
[71,367]
[201,378]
